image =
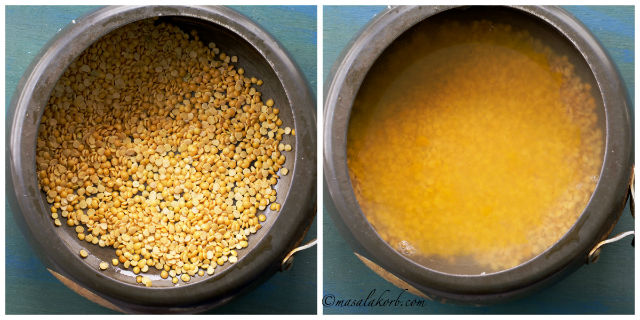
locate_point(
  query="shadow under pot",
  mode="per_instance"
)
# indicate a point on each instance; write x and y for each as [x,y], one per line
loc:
[94,185]
[474,154]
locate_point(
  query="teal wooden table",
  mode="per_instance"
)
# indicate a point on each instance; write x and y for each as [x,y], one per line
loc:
[29,288]
[606,287]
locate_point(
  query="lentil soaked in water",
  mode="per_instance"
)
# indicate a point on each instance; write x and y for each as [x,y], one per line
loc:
[473,147]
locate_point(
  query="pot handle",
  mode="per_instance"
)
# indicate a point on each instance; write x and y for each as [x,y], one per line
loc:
[287,262]
[594,254]
[85,292]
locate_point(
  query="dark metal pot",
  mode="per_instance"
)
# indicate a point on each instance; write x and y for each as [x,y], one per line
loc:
[559,30]
[260,55]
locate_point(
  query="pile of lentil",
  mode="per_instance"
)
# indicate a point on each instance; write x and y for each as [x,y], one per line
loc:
[158,146]
[473,147]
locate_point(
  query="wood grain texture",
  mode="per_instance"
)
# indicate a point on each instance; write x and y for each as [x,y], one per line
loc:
[606,287]
[30,288]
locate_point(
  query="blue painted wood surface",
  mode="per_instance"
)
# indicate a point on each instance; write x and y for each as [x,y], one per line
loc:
[30,288]
[606,287]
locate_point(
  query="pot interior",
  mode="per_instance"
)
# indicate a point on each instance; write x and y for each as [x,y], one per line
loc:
[255,65]
[409,60]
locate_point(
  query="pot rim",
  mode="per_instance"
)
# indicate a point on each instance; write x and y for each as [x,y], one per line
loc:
[263,260]
[596,221]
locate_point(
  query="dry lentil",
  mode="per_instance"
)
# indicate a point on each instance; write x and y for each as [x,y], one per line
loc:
[104,265]
[146,281]
[150,143]
[84,253]
[479,156]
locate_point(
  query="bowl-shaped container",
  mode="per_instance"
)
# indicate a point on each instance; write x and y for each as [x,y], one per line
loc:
[561,32]
[261,56]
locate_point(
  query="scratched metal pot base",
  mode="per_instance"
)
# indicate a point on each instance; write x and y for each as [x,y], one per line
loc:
[116,287]
[472,146]
[475,154]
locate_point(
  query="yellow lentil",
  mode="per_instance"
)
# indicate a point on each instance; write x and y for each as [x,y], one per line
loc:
[146,281]
[270,103]
[479,156]
[158,149]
